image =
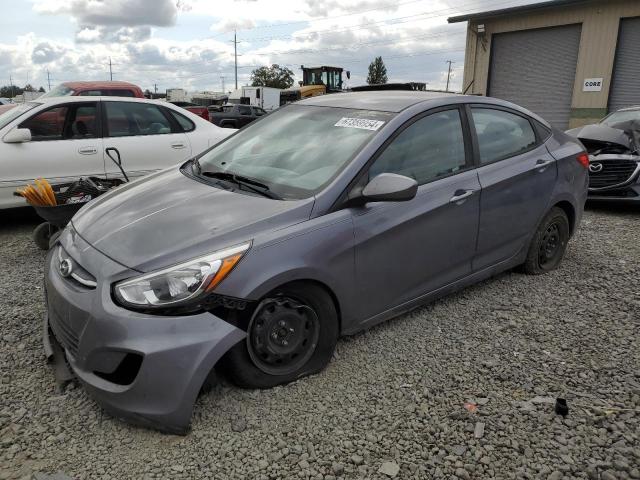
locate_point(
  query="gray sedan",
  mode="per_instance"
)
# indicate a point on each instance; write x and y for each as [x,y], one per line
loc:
[316,221]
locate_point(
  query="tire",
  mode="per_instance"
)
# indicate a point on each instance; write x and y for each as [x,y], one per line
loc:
[549,243]
[277,330]
[42,235]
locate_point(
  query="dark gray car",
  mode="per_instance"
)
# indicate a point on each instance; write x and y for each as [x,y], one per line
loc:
[319,220]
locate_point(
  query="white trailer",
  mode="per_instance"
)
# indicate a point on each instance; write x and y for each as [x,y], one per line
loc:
[266,98]
[178,95]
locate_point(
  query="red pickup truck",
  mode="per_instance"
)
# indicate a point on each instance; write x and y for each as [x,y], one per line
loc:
[194,108]
[98,89]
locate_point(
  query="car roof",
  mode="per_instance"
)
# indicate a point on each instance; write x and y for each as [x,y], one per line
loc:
[103,84]
[385,101]
[92,98]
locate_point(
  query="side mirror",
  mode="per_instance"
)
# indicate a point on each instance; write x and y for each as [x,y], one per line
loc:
[18,135]
[390,187]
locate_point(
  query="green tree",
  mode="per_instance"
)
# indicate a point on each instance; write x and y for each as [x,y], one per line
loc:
[377,72]
[10,91]
[28,88]
[274,76]
[41,90]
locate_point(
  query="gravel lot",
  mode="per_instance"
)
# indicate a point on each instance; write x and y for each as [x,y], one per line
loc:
[392,398]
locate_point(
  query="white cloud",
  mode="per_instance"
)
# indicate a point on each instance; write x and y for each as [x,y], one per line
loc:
[153,41]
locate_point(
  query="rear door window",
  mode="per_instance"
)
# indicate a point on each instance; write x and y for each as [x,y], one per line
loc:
[244,110]
[132,119]
[501,134]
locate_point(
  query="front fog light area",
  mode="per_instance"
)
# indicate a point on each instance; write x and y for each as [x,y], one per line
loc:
[181,283]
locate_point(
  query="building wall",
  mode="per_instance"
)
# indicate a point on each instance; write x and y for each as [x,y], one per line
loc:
[600,20]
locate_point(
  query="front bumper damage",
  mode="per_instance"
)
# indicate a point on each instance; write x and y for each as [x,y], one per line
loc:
[146,369]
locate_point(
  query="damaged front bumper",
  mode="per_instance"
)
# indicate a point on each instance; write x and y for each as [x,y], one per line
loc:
[614,177]
[147,369]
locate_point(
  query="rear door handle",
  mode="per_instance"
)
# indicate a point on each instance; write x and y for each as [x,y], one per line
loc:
[88,150]
[178,145]
[460,195]
[543,163]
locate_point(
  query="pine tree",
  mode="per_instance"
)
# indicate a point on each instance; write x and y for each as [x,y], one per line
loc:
[377,72]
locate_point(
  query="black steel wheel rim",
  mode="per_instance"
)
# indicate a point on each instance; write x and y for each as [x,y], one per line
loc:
[550,244]
[282,335]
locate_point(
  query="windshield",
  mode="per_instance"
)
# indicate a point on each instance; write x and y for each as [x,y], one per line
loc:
[10,115]
[297,150]
[58,91]
[621,116]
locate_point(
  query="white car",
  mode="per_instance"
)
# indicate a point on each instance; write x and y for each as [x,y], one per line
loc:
[64,138]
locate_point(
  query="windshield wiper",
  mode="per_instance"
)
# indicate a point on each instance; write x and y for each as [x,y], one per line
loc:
[248,183]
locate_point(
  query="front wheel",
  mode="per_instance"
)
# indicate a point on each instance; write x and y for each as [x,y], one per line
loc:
[290,334]
[548,244]
[43,234]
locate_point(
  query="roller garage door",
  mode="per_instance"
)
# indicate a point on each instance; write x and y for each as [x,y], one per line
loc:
[536,69]
[625,85]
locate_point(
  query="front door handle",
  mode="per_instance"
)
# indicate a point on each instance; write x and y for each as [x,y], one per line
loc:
[541,164]
[460,195]
[88,150]
[178,145]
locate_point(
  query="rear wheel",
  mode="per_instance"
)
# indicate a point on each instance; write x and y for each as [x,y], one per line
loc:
[549,243]
[290,334]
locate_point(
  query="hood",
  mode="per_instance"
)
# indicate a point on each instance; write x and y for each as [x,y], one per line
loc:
[168,217]
[601,134]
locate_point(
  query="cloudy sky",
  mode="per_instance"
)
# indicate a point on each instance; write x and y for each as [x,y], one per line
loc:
[188,43]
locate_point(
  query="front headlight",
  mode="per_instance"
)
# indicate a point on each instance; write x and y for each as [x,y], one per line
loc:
[179,284]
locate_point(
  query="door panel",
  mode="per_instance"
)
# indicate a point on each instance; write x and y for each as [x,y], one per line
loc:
[146,138]
[517,179]
[406,249]
[65,145]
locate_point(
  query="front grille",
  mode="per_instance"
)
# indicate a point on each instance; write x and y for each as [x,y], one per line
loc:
[64,333]
[614,172]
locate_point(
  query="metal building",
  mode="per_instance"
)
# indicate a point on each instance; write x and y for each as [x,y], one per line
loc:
[571,61]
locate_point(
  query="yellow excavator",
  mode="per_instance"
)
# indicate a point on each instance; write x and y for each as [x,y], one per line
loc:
[315,81]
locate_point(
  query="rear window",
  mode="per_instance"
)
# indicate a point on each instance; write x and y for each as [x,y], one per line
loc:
[58,91]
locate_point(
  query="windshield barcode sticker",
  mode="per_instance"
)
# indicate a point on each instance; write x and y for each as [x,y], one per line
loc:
[362,123]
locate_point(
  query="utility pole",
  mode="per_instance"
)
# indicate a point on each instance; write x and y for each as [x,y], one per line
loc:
[48,79]
[110,70]
[155,88]
[13,92]
[449,72]
[235,55]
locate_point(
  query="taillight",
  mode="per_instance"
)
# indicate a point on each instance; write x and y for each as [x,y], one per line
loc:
[583,158]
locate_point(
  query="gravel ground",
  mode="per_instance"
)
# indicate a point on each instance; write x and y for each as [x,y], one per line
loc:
[392,401]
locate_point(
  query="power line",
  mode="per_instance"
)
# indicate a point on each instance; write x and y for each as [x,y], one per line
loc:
[406,18]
